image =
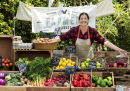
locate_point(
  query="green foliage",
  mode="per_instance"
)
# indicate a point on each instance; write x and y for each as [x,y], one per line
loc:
[117,25]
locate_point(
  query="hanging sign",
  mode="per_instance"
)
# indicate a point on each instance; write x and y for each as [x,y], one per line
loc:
[70,69]
[55,59]
[70,49]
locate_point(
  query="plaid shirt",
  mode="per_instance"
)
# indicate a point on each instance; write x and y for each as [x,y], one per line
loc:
[73,33]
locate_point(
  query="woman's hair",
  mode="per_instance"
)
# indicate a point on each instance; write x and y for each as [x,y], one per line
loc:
[83,13]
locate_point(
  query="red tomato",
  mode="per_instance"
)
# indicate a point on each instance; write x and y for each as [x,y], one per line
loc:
[3,64]
[9,61]
[6,59]
[11,64]
[3,60]
[7,65]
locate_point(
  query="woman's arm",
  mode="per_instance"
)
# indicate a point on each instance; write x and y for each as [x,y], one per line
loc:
[112,46]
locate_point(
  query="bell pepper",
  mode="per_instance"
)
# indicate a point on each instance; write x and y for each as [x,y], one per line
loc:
[94,84]
[94,78]
[76,77]
[98,86]
[74,82]
[91,85]
[86,77]
[109,78]
[85,84]
[109,83]
[103,83]
[98,81]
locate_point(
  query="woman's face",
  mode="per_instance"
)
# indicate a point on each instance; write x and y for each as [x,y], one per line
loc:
[83,20]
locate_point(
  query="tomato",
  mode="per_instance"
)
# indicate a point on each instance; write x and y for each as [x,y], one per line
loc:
[9,61]
[7,65]
[6,59]
[11,64]
[3,64]
[3,60]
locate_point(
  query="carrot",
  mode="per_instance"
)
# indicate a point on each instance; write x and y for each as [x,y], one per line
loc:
[33,84]
[39,83]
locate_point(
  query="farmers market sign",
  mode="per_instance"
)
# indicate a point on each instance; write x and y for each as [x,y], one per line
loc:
[62,18]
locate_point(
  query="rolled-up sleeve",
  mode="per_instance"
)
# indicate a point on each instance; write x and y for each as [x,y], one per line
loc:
[99,38]
[67,35]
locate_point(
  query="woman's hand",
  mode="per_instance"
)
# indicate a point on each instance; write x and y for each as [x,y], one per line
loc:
[123,53]
[57,38]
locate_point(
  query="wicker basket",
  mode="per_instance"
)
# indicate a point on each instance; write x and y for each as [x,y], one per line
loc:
[118,71]
[45,46]
[100,60]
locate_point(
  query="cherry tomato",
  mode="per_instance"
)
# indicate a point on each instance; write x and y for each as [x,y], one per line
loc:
[11,64]
[3,64]
[9,61]
[6,59]
[7,65]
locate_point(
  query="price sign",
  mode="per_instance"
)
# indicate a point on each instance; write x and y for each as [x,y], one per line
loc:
[55,59]
[57,31]
[0,62]
[52,35]
[22,67]
[70,49]
[92,64]
[70,69]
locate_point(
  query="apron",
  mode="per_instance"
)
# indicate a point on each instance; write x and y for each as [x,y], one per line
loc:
[83,47]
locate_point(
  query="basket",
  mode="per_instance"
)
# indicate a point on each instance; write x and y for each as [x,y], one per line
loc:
[100,60]
[118,71]
[45,46]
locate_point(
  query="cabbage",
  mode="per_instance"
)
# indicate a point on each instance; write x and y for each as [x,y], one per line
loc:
[2,75]
[2,82]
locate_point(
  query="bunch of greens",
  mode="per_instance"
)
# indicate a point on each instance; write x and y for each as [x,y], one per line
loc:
[39,67]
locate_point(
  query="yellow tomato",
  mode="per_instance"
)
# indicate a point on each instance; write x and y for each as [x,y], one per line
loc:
[66,62]
[63,59]
[69,64]
[63,64]
[57,67]
[73,63]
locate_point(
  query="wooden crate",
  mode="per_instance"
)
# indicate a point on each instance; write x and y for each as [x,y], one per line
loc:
[55,74]
[99,54]
[118,71]
[13,88]
[73,58]
[31,54]
[100,60]
[6,47]
[100,74]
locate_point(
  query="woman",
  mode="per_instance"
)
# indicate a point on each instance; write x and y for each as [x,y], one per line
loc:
[83,36]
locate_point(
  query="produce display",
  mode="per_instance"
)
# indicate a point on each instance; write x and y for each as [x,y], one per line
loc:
[6,63]
[84,80]
[44,40]
[60,81]
[85,64]
[117,64]
[65,62]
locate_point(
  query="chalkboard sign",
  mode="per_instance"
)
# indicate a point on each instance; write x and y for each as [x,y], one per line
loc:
[92,64]
[55,59]
[70,69]
[0,62]
[57,31]
[52,35]
[22,67]
[70,49]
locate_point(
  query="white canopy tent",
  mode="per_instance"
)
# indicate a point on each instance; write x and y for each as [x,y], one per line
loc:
[48,19]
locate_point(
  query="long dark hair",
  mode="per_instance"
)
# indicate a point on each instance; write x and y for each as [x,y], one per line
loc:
[83,13]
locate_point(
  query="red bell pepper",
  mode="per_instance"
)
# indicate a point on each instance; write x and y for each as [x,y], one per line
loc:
[75,82]
[76,77]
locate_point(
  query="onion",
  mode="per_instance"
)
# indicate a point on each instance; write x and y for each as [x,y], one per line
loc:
[2,75]
[2,82]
